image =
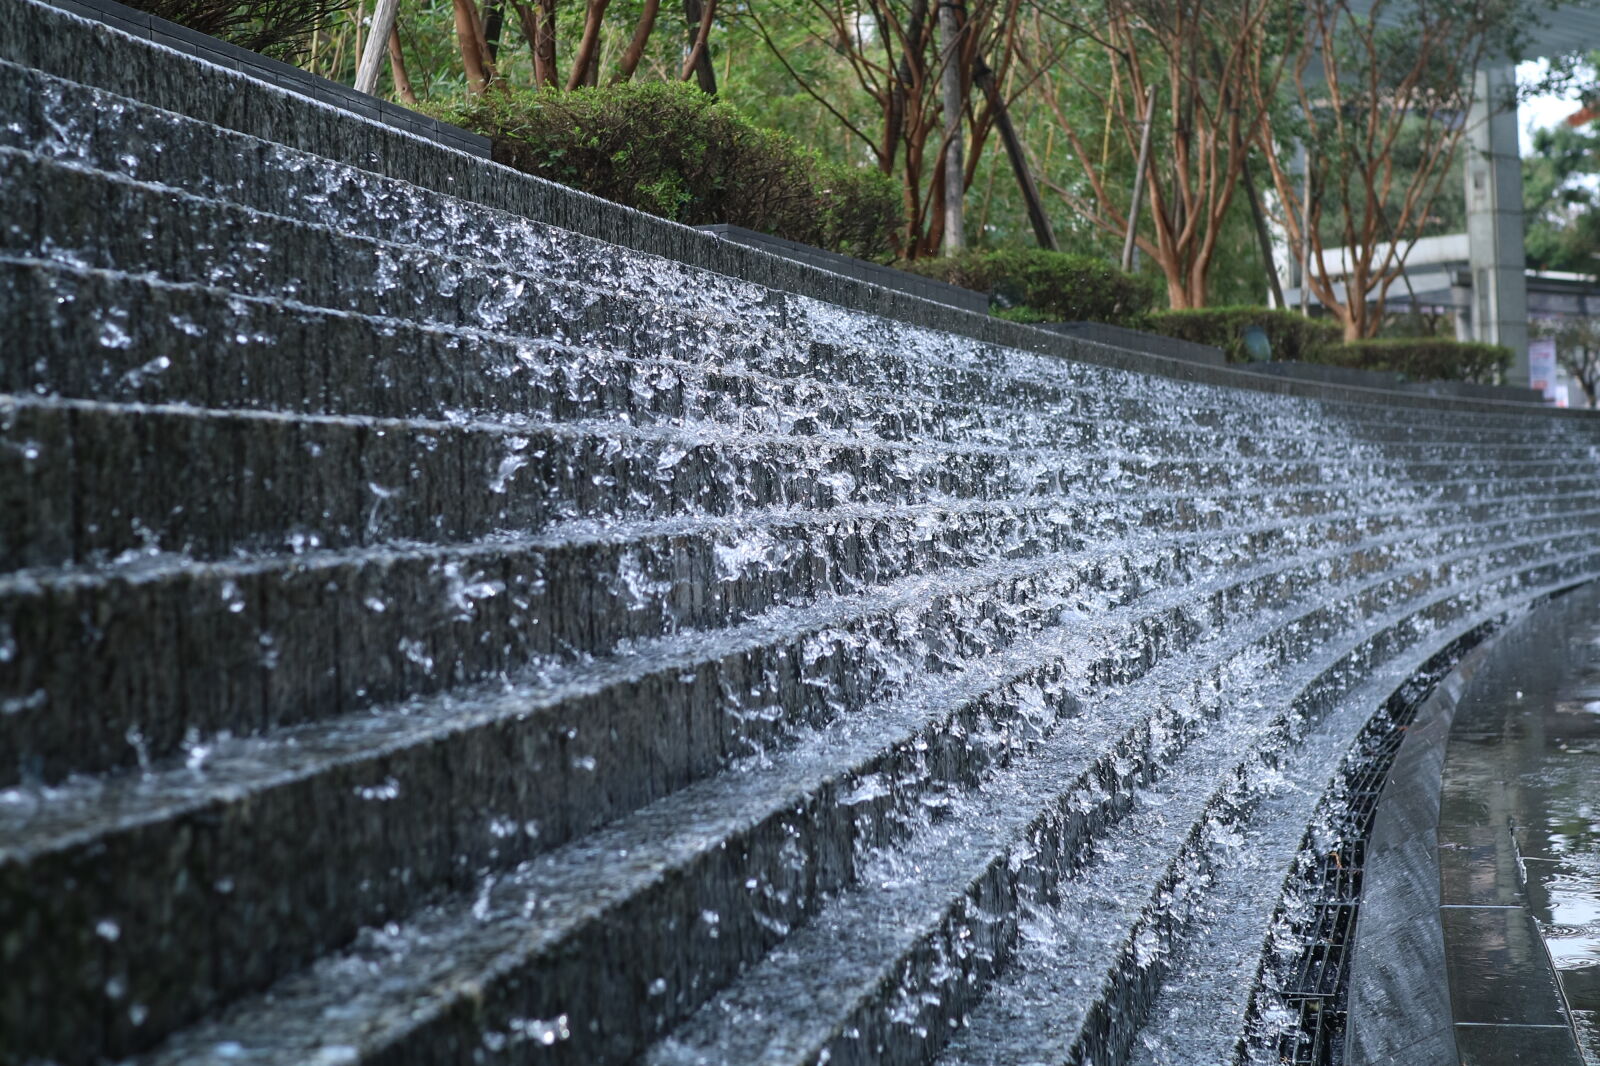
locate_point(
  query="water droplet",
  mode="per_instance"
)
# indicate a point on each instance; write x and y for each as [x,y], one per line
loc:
[33,701]
[387,790]
[515,459]
[112,335]
[334,1055]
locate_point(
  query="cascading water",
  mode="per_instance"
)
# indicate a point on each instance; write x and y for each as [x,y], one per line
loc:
[431,634]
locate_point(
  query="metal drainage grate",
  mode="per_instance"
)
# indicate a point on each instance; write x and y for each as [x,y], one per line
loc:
[1313,985]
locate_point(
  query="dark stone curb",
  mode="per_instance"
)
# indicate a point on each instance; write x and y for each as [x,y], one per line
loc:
[1379,379]
[274,72]
[1399,1000]
[1403,1008]
[1140,341]
[859,269]
[42,35]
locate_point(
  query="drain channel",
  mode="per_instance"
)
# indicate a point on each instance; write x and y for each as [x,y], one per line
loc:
[1300,1006]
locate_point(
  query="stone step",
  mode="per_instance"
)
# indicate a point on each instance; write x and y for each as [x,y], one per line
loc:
[742,927]
[380,624]
[161,353]
[1202,1010]
[620,684]
[1167,981]
[339,770]
[280,640]
[428,634]
[924,740]
[222,98]
[1239,554]
[748,468]
[849,989]
[1301,633]
[265,256]
[84,482]
[465,229]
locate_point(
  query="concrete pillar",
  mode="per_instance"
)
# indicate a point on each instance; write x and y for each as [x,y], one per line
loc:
[1494,220]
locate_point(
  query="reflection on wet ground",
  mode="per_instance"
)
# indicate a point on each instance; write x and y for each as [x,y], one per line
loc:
[1520,826]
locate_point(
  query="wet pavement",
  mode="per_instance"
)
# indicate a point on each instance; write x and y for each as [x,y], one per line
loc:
[1519,844]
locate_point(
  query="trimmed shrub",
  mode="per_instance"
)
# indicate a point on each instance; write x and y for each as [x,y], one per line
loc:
[1421,358]
[1293,336]
[671,150]
[278,28]
[1035,285]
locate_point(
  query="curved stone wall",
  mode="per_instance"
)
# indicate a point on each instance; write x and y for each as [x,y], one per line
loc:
[432,633]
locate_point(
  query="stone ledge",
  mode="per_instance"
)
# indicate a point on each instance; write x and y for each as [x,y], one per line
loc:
[262,68]
[1423,919]
[1399,1006]
[44,34]
[1390,381]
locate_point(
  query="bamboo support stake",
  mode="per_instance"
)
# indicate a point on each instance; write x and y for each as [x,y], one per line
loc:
[950,30]
[373,55]
[984,76]
[1138,178]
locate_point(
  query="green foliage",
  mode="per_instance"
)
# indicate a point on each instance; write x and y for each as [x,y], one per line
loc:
[673,151]
[1040,286]
[1563,206]
[278,28]
[1293,336]
[761,83]
[1420,359]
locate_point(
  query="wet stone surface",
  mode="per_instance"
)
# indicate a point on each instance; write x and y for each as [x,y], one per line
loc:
[448,618]
[1519,835]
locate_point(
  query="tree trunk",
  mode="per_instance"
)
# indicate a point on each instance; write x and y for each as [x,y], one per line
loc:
[933,240]
[471,56]
[1138,181]
[950,88]
[591,76]
[641,36]
[1019,162]
[1262,238]
[585,58]
[397,68]
[1177,292]
[494,19]
[357,22]
[904,82]
[698,61]
[544,45]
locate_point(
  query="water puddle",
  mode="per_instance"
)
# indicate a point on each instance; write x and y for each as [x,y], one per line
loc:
[1528,755]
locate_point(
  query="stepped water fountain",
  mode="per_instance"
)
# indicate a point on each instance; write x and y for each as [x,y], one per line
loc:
[450,619]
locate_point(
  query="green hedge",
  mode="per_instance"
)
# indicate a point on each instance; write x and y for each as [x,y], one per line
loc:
[1293,336]
[278,28]
[1039,286]
[673,151]
[1421,358]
